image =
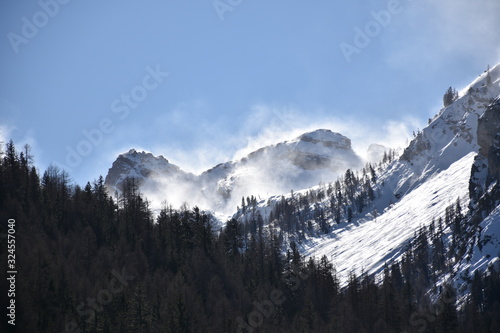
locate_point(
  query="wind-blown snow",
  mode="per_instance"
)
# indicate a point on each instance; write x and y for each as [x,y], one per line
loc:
[299,163]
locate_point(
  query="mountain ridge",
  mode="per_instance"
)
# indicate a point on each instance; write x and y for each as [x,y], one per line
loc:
[306,158]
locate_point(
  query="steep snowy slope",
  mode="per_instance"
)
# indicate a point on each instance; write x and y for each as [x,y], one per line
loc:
[370,242]
[451,135]
[431,174]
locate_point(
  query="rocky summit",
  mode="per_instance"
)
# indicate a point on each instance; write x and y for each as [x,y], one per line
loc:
[313,157]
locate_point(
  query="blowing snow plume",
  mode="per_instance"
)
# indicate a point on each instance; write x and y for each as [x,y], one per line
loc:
[311,158]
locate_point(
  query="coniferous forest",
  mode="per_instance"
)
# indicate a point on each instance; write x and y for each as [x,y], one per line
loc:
[88,261]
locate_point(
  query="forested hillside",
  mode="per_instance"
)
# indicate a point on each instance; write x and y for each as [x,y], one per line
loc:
[88,262]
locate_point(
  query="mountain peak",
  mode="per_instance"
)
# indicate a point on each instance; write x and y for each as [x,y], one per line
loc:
[133,153]
[327,138]
[140,165]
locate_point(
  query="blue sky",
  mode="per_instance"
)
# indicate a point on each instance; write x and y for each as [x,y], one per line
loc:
[241,74]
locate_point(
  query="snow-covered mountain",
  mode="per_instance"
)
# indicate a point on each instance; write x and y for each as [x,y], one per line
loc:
[412,192]
[305,161]
[300,163]
[364,218]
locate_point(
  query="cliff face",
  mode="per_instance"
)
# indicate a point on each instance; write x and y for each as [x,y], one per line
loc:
[488,137]
[486,168]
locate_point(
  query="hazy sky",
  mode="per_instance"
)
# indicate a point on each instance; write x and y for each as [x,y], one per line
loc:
[82,81]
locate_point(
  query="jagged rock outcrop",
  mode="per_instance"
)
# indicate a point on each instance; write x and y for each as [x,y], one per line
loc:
[488,138]
[142,166]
